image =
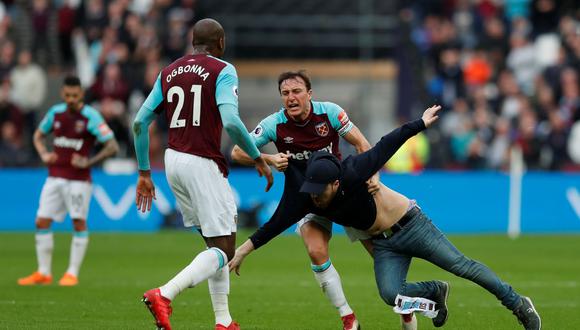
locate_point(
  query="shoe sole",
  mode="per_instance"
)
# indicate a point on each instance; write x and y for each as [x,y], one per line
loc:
[535,311]
[448,288]
[148,305]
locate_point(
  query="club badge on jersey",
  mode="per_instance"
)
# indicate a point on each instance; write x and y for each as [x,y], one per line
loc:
[322,129]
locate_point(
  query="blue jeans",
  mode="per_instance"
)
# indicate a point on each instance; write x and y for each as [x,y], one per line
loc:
[420,238]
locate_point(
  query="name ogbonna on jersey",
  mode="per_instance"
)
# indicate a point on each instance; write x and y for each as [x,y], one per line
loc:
[197,69]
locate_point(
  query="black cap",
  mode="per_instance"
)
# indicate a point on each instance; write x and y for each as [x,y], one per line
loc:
[323,168]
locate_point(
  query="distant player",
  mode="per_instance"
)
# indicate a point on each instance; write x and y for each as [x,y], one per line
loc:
[75,127]
[301,127]
[400,230]
[198,94]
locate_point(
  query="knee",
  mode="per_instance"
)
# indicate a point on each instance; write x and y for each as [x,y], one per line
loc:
[388,294]
[43,223]
[463,266]
[318,253]
[79,225]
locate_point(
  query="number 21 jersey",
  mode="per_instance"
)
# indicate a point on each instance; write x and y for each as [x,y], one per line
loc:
[193,87]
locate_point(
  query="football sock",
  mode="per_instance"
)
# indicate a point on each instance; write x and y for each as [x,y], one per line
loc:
[219,288]
[204,265]
[44,245]
[329,281]
[78,247]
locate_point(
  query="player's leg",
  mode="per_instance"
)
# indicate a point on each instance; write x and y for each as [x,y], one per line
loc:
[77,200]
[219,284]
[316,234]
[51,206]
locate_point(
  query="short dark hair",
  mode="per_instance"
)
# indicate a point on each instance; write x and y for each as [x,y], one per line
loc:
[293,75]
[72,81]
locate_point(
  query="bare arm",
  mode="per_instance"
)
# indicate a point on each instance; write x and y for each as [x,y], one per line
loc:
[110,148]
[48,157]
[279,160]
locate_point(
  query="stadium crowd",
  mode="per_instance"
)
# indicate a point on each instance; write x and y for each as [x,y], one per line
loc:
[507,72]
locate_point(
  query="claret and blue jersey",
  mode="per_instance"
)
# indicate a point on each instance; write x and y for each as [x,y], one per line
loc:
[320,131]
[74,132]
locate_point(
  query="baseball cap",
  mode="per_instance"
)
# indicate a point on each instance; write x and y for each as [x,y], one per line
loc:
[322,168]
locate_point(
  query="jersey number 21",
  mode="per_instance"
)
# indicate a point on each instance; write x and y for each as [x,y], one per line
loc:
[176,90]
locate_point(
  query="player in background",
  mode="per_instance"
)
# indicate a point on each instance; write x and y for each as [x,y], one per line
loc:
[298,129]
[198,94]
[67,189]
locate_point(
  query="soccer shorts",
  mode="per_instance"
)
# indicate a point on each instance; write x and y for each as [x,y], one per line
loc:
[352,233]
[203,194]
[60,196]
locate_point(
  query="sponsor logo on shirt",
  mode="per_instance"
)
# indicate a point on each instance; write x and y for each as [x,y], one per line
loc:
[305,155]
[288,139]
[64,142]
[322,129]
[258,131]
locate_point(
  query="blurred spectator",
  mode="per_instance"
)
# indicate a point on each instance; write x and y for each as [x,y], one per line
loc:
[29,84]
[110,85]
[412,156]
[7,59]
[10,113]
[66,26]
[13,152]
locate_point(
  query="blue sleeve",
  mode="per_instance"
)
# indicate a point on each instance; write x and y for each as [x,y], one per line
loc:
[371,161]
[236,129]
[143,119]
[45,125]
[226,86]
[265,132]
[98,127]
[338,118]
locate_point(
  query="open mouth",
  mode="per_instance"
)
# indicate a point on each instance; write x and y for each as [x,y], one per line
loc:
[293,106]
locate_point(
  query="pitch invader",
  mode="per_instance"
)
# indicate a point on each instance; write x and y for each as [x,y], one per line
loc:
[75,127]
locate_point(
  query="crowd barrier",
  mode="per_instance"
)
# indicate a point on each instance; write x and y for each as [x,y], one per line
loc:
[458,202]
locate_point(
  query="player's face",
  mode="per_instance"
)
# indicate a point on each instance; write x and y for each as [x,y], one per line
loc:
[296,98]
[72,96]
[322,200]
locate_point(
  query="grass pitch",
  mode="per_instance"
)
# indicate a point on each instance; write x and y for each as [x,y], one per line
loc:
[277,289]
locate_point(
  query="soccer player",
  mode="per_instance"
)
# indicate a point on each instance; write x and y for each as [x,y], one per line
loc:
[67,189]
[399,229]
[301,127]
[198,93]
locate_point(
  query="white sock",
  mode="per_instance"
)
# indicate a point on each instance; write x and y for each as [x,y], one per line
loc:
[78,247]
[44,245]
[329,281]
[204,265]
[219,288]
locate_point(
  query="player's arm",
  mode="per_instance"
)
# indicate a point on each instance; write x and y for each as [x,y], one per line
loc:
[264,133]
[38,139]
[350,132]
[99,128]
[227,101]
[145,188]
[369,162]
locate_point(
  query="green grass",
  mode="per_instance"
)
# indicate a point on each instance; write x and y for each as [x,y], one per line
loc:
[277,289]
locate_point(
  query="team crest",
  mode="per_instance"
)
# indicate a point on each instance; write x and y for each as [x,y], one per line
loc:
[322,129]
[56,124]
[79,126]
[288,139]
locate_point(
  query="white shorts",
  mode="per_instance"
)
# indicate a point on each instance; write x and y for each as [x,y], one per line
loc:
[352,233]
[60,196]
[203,194]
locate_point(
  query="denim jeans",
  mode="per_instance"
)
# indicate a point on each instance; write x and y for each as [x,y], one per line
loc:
[420,238]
